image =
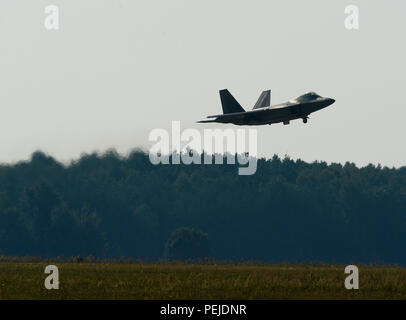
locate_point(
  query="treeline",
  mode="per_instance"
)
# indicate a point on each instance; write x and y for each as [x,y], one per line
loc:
[106,205]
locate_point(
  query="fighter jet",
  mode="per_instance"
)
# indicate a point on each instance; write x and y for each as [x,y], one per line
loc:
[264,113]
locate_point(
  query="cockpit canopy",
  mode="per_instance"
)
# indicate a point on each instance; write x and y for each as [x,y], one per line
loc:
[308,96]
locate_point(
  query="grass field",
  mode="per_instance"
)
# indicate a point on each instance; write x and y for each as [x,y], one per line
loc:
[19,280]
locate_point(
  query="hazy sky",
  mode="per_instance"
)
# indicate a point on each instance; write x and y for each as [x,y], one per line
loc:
[118,68]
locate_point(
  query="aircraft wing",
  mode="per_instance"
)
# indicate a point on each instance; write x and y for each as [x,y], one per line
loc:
[244,116]
[229,116]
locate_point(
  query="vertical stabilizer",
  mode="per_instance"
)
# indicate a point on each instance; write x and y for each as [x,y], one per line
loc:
[264,100]
[228,102]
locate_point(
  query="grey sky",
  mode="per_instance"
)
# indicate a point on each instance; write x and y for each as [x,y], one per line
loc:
[118,68]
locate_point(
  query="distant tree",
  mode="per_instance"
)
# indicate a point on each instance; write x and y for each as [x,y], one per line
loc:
[187,244]
[14,237]
[146,244]
[38,203]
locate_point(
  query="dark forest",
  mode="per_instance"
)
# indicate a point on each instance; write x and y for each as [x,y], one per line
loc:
[107,205]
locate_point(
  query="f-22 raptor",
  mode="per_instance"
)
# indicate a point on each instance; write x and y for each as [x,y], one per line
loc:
[264,113]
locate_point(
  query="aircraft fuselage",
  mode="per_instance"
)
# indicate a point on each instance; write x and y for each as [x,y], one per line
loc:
[263,113]
[280,113]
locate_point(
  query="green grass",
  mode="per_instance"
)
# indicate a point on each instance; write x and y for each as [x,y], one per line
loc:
[19,280]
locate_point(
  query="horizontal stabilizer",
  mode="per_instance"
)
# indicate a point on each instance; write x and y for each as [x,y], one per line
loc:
[264,100]
[228,102]
[206,121]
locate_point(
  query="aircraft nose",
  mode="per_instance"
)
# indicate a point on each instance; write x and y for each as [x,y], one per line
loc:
[330,101]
